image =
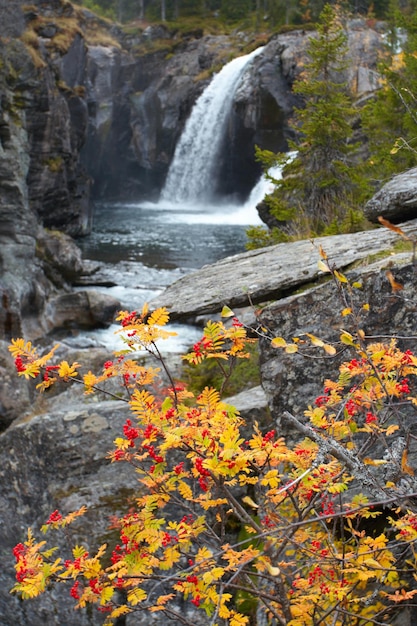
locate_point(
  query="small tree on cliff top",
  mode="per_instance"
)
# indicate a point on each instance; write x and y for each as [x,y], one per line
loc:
[322,183]
[308,552]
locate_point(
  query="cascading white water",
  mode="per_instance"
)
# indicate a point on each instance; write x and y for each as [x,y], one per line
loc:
[190,176]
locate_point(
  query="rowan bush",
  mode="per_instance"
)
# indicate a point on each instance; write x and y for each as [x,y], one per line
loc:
[247,529]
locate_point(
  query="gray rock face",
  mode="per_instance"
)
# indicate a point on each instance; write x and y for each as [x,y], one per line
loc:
[57,128]
[22,283]
[292,382]
[57,460]
[261,275]
[396,201]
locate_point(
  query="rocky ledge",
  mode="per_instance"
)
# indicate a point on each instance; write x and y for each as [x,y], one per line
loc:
[271,273]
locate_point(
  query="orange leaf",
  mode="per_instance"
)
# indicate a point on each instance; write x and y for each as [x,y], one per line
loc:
[395,229]
[394,285]
[404,464]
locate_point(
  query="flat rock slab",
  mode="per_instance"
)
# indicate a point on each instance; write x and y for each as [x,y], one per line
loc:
[269,273]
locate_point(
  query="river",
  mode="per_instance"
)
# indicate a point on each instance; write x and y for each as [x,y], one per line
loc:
[142,248]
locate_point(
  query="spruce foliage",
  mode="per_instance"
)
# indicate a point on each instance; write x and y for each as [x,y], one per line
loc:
[322,185]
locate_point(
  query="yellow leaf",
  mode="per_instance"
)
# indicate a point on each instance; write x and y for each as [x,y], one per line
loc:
[134,596]
[165,599]
[106,595]
[347,338]
[366,307]
[340,277]
[346,311]
[89,381]
[185,491]
[315,340]
[224,612]
[278,342]
[121,444]
[291,348]
[329,349]
[215,574]
[323,267]
[238,619]
[248,500]
[120,610]
[67,371]
[226,312]
[337,488]
[159,317]
[274,571]
[369,461]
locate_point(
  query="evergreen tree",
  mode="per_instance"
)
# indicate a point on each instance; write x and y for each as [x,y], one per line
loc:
[391,120]
[321,185]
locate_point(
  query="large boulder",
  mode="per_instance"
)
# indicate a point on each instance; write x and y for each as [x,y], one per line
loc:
[396,201]
[83,309]
[269,273]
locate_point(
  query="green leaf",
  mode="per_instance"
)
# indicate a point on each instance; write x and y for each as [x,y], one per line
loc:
[226,312]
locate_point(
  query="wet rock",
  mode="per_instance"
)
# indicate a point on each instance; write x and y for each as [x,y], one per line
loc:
[82,309]
[61,257]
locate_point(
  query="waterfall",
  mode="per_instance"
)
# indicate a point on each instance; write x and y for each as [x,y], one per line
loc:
[192,171]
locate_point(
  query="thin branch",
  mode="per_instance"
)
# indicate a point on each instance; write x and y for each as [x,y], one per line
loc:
[332,447]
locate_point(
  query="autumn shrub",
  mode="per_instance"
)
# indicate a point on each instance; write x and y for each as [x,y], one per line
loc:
[248,529]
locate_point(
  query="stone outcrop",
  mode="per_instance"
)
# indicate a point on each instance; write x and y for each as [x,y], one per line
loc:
[268,273]
[38,164]
[22,281]
[293,382]
[58,459]
[396,201]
